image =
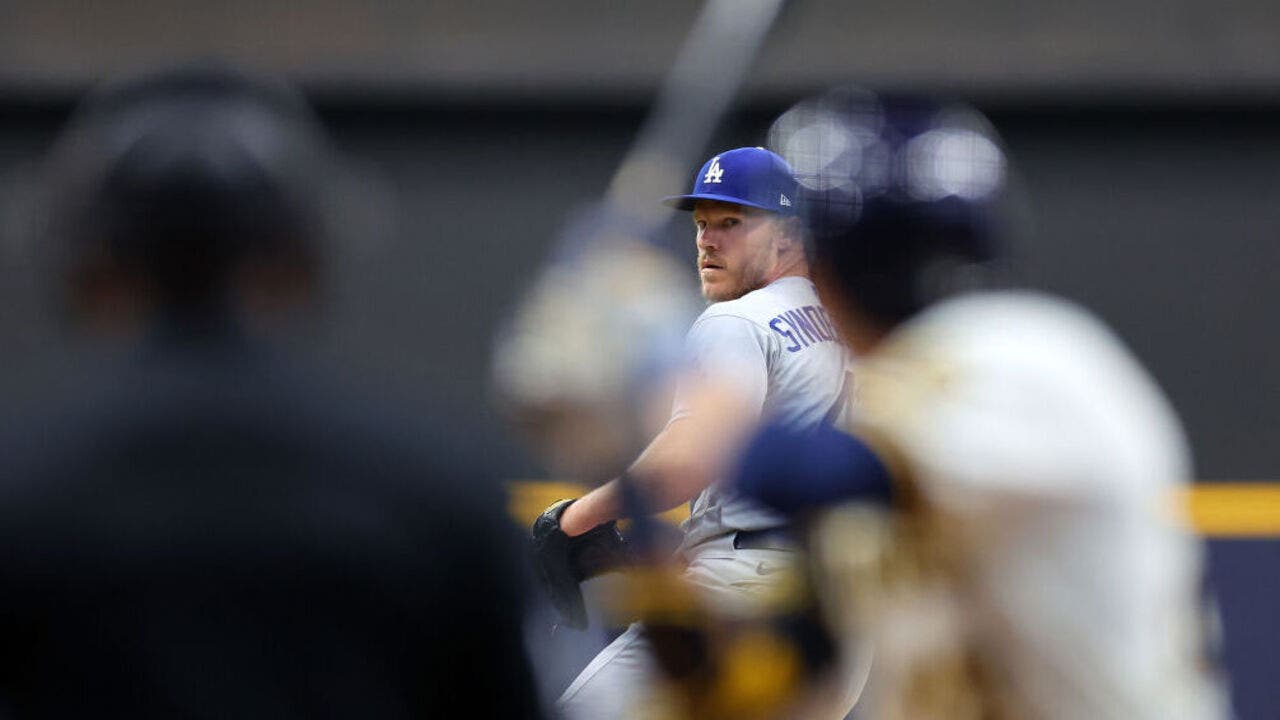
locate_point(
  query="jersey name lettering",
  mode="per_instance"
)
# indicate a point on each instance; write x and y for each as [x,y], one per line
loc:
[804,326]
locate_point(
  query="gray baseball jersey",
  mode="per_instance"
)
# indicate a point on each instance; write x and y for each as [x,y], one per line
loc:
[779,348]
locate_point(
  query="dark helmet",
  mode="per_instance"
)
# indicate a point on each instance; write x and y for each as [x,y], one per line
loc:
[900,194]
[179,178]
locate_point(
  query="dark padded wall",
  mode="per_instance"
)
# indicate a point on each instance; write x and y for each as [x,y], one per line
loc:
[1165,221]
[1168,224]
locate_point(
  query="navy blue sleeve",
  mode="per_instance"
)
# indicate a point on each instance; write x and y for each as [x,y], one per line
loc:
[792,471]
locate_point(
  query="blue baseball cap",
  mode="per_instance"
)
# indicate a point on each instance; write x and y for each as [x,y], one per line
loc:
[746,176]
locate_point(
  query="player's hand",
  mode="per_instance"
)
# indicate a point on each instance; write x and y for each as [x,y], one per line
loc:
[562,562]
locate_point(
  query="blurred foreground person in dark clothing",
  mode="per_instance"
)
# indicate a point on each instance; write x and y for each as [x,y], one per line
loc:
[211,529]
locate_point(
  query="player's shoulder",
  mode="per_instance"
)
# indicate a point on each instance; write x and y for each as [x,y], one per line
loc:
[1038,333]
[760,306]
[1042,359]
[1014,313]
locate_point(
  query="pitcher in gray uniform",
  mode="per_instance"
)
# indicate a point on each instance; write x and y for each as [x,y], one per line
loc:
[767,339]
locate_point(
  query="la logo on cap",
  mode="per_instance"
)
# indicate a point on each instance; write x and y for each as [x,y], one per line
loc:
[714,172]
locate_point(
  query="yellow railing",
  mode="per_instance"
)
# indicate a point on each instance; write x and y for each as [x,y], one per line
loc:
[1235,510]
[526,499]
[1220,510]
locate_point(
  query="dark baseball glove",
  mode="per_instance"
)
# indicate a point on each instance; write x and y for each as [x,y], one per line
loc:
[562,562]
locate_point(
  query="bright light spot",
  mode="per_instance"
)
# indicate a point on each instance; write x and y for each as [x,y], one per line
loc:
[946,162]
[823,153]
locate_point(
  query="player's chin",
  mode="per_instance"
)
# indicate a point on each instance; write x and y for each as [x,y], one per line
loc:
[716,291]
[715,283]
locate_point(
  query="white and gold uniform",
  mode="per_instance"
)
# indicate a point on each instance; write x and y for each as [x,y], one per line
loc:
[1034,567]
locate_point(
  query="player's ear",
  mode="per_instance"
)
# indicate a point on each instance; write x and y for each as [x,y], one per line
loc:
[788,233]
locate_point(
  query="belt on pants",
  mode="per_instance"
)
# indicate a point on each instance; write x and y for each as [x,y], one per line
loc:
[778,538]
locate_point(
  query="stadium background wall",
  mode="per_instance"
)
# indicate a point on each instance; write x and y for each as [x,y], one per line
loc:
[1163,217]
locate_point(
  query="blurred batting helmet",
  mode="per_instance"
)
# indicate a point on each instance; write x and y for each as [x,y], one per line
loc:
[180,177]
[900,194]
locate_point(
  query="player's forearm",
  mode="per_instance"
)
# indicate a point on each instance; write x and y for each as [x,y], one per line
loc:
[675,467]
[663,477]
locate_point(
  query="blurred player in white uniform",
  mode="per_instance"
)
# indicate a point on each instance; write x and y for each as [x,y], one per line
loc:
[767,340]
[1032,565]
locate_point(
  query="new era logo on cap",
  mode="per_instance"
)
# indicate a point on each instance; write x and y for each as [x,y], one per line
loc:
[746,176]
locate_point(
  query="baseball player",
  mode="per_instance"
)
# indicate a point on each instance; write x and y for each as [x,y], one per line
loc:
[206,523]
[767,339]
[1029,568]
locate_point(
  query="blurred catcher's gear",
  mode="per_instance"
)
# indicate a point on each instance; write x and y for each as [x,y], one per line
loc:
[889,580]
[563,562]
[718,664]
[754,660]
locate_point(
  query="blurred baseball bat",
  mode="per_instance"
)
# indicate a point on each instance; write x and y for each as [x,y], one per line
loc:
[699,87]
[603,324]
[605,320]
